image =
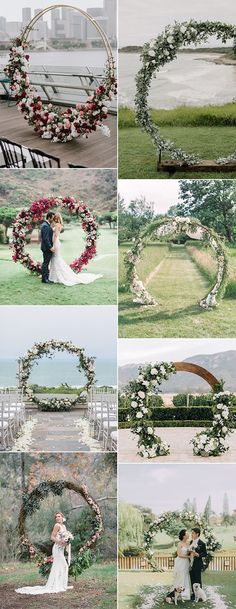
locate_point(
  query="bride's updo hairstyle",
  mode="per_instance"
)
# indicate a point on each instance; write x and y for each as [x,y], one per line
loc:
[182,534]
[58,220]
[62,515]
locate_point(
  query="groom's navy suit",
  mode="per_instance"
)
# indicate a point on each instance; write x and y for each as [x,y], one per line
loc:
[46,245]
[196,571]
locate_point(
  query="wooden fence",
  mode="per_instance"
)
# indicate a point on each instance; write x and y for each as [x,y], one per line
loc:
[220,562]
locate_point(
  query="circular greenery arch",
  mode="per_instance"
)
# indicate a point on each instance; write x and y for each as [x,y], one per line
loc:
[51,122]
[27,218]
[156,54]
[208,443]
[187,518]
[31,502]
[165,228]
[38,350]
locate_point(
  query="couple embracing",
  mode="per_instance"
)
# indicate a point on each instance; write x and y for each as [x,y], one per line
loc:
[189,564]
[54,267]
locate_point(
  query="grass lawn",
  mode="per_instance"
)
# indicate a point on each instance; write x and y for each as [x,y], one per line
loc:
[94,589]
[136,588]
[138,159]
[20,287]
[178,285]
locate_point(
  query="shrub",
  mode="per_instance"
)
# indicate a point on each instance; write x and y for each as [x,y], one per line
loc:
[194,400]
[174,414]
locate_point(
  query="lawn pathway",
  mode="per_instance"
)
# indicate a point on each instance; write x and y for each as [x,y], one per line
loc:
[56,432]
[176,282]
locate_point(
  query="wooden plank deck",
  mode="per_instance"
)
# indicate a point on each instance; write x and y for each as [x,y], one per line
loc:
[96,151]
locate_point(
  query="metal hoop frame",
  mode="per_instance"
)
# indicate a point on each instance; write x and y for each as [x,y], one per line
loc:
[107,45]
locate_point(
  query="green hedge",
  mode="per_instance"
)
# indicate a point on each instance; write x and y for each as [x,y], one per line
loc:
[190,423]
[153,401]
[174,414]
[194,400]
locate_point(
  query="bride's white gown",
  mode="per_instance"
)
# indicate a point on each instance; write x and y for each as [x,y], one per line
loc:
[58,578]
[181,574]
[60,271]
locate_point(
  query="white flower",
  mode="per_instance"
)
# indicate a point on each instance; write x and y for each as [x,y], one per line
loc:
[150,430]
[154,382]
[134,404]
[151,53]
[183,29]
[224,429]
[141,394]
[153,371]
[139,415]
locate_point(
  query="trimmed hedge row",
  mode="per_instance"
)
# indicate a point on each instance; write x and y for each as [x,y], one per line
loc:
[190,423]
[153,400]
[174,414]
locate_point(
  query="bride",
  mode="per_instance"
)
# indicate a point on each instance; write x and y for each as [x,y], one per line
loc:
[60,271]
[182,565]
[58,578]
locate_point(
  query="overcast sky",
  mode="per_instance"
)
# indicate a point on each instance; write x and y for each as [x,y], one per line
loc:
[12,10]
[162,487]
[163,193]
[139,350]
[139,21]
[93,328]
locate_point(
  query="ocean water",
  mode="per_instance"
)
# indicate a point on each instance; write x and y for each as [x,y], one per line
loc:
[53,372]
[192,79]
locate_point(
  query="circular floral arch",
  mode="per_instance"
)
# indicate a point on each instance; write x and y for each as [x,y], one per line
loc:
[209,442]
[28,218]
[52,122]
[32,502]
[187,519]
[168,227]
[156,54]
[47,348]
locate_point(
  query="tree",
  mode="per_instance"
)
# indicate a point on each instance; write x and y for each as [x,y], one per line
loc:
[213,202]
[134,217]
[7,215]
[130,528]
[208,509]
[225,513]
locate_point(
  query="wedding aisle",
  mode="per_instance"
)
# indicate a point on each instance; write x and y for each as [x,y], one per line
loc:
[56,431]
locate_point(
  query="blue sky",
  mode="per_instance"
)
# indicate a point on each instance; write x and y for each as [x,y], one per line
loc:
[162,487]
[91,327]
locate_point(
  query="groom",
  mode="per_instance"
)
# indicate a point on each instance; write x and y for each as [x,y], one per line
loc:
[199,552]
[47,245]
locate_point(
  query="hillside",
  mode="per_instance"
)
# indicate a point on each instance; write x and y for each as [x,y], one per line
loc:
[222,365]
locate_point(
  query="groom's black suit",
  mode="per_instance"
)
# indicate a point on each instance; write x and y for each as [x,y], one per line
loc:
[46,245]
[196,571]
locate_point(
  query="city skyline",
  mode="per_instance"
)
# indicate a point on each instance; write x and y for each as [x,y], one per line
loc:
[62,23]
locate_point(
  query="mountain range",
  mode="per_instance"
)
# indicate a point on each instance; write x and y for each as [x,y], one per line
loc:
[222,365]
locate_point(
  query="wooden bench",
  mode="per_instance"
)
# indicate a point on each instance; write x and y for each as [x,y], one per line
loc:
[172,166]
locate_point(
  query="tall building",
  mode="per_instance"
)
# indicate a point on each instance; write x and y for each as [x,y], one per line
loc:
[102,20]
[26,16]
[40,28]
[110,10]
[3,23]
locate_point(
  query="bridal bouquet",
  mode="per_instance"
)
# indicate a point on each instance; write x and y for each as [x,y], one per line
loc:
[68,537]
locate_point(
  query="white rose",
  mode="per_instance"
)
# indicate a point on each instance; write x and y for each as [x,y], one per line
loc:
[153,371]
[183,29]
[170,39]
[140,377]
[224,429]
[141,394]
[150,430]
[139,415]
[151,53]
[154,383]
[134,404]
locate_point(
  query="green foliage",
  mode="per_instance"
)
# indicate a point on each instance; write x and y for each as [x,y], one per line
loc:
[131,523]
[194,400]
[198,413]
[184,116]
[153,401]
[133,217]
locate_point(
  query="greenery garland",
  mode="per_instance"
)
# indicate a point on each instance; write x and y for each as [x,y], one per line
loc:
[52,122]
[208,443]
[186,518]
[165,228]
[31,502]
[156,54]
[38,351]
[28,218]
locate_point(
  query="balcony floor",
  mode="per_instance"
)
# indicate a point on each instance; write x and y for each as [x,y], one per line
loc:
[96,151]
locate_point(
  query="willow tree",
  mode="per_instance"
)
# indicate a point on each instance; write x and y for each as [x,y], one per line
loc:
[130,527]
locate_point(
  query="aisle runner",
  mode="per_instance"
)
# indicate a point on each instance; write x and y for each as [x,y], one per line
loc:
[216,598]
[154,599]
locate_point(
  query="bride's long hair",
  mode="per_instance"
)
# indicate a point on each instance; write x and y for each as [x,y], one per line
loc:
[58,218]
